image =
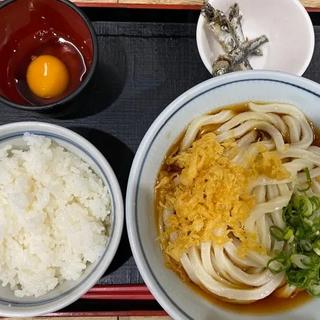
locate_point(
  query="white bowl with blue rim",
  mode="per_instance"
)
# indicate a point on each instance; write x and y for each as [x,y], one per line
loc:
[69,291]
[175,296]
[286,23]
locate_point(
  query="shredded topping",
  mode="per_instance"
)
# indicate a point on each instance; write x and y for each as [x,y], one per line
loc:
[208,196]
[268,163]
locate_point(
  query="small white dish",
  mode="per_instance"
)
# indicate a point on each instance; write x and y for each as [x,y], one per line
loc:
[68,291]
[286,23]
[174,295]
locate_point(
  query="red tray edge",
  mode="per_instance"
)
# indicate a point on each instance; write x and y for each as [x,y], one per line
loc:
[119,292]
[153,6]
[135,313]
[114,292]
[136,6]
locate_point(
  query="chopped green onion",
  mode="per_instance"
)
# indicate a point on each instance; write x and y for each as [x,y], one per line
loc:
[305,245]
[300,258]
[300,233]
[317,251]
[315,203]
[303,205]
[275,266]
[307,207]
[276,232]
[296,201]
[288,234]
[315,289]
[308,222]
[316,247]
[307,173]
[297,277]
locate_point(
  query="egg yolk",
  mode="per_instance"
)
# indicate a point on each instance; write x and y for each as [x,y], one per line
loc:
[47,76]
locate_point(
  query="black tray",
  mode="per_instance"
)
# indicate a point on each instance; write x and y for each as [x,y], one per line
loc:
[142,67]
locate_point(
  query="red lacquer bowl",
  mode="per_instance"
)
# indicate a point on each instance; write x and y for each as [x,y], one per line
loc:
[30,28]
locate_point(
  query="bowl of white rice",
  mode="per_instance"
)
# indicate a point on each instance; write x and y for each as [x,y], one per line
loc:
[61,217]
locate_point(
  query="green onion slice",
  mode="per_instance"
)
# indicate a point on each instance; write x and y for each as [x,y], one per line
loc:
[307,173]
[275,266]
[300,260]
[277,233]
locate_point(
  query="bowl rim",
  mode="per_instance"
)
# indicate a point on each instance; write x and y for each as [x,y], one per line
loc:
[83,84]
[303,67]
[147,273]
[72,294]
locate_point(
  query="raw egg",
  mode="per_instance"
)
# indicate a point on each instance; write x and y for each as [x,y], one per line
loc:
[47,77]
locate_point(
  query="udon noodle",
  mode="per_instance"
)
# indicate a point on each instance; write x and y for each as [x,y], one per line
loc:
[263,151]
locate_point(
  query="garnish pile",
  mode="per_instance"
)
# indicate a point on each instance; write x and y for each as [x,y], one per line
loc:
[300,259]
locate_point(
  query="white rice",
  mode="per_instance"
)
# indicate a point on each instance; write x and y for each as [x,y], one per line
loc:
[54,216]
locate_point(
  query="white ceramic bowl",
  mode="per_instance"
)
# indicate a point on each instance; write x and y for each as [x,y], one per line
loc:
[177,298]
[69,291]
[287,25]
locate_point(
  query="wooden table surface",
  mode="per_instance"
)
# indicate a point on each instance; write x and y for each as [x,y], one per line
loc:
[194,4]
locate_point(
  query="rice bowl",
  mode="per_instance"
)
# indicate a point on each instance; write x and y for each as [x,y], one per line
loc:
[95,220]
[46,191]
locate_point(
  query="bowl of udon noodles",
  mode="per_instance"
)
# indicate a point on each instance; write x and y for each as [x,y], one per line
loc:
[223,200]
